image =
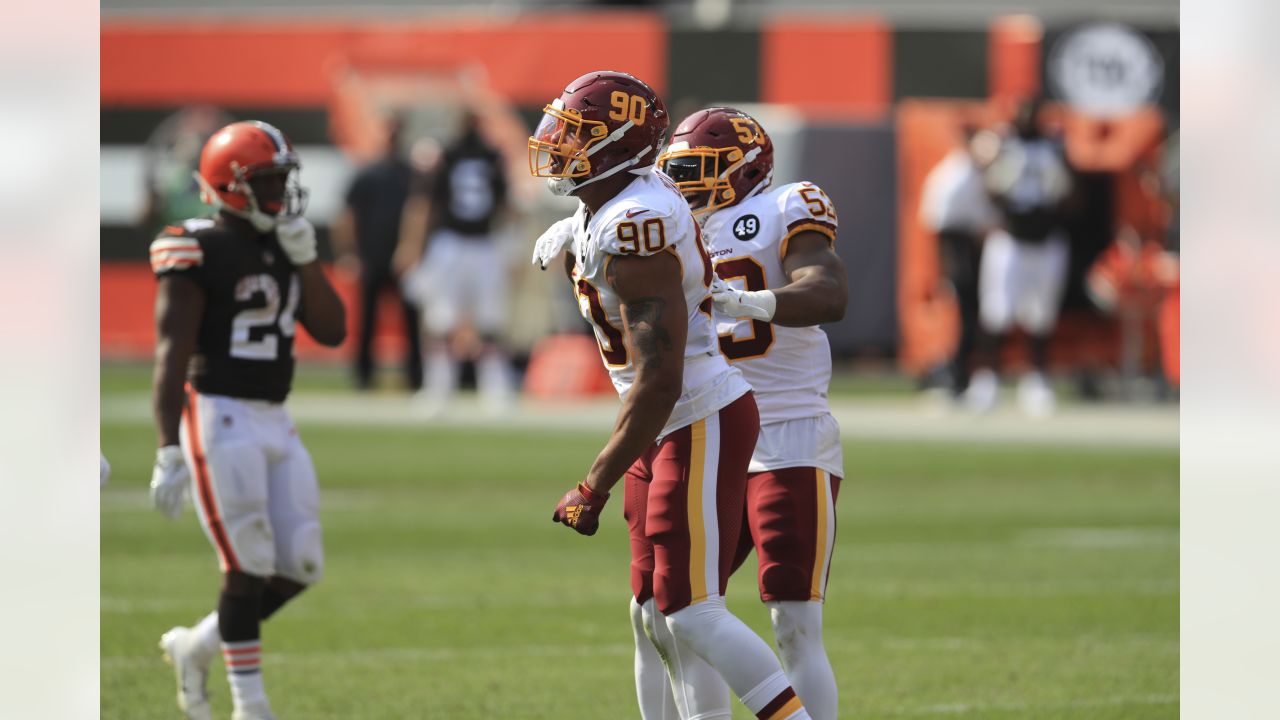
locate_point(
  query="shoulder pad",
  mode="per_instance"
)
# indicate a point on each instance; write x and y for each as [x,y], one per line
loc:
[805,206]
[635,230]
[175,248]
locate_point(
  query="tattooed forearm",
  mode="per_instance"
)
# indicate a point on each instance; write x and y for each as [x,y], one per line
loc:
[650,338]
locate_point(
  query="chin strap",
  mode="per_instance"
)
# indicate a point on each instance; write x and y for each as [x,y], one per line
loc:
[619,168]
[613,136]
[261,221]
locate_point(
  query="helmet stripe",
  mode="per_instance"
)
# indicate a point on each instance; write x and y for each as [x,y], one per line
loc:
[277,137]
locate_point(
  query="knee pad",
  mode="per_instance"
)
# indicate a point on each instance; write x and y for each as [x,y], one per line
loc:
[642,630]
[252,541]
[995,316]
[301,556]
[644,619]
[655,627]
[698,622]
[795,624]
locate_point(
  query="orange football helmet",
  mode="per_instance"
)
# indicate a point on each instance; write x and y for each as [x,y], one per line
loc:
[718,157]
[237,154]
[603,123]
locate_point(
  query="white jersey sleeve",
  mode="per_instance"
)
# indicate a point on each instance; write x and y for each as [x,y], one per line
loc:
[805,207]
[632,229]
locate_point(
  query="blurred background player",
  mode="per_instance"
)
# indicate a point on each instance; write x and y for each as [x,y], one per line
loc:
[171,156]
[775,252]
[230,290]
[1025,259]
[364,239]
[688,420]
[955,206]
[462,271]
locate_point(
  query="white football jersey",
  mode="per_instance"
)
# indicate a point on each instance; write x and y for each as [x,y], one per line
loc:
[789,368]
[650,216]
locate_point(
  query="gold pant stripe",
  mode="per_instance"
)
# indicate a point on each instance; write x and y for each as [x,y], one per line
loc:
[820,542]
[697,530]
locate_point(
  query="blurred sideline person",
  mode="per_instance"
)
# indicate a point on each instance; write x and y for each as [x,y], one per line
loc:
[171,157]
[779,277]
[365,238]
[231,289]
[955,206]
[688,421]
[462,272]
[1024,260]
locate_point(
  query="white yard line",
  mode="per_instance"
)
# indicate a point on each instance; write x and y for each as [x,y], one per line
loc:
[964,708]
[873,644]
[860,419]
[404,654]
[1100,538]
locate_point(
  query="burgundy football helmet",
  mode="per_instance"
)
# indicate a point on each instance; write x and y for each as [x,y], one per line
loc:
[604,123]
[718,157]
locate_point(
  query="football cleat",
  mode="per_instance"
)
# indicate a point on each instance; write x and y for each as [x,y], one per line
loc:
[192,674]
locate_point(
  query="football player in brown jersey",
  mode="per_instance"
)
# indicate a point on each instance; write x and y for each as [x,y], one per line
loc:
[231,289]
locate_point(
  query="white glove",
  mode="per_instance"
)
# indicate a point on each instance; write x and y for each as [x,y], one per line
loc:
[554,241]
[169,481]
[755,304]
[298,239]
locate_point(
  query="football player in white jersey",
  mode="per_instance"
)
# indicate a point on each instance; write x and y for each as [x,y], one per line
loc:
[779,277]
[688,421]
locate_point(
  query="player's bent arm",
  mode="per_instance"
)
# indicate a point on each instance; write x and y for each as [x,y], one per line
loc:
[414,221]
[342,234]
[179,308]
[655,326]
[321,312]
[818,286]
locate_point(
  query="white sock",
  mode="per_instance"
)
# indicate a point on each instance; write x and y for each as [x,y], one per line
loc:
[205,639]
[797,626]
[244,671]
[744,660]
[653,690]
[699,691]
[441,373]
[493,377]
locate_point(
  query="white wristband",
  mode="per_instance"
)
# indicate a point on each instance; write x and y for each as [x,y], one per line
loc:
[169,455]
[763,299]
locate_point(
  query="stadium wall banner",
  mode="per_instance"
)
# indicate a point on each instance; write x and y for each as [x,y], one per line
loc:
[850,80]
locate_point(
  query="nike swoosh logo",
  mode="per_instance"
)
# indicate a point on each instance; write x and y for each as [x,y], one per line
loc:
[636,211]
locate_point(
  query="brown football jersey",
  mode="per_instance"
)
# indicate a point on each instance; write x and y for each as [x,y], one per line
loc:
[244,347]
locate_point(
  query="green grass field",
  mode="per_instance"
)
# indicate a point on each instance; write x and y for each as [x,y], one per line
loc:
[969,582]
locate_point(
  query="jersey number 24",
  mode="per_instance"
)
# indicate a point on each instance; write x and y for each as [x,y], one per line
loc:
[268,322]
